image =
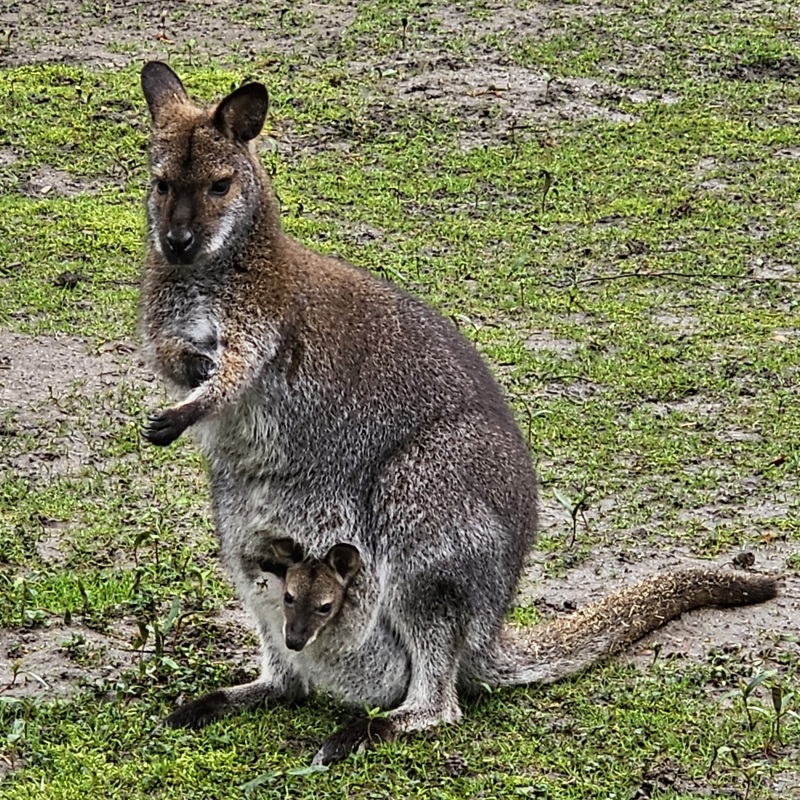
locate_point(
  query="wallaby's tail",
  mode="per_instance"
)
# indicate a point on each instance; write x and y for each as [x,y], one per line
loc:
[553,650]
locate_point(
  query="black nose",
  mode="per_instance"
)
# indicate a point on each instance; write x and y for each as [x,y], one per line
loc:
[295,642]
[180,240]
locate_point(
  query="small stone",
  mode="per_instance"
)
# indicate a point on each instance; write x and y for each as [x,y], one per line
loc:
[744,560]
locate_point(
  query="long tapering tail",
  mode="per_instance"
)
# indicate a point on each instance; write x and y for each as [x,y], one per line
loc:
[556,649]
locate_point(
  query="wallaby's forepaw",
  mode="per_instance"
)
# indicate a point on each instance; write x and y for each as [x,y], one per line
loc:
[200,712]
[199,369]
[355,738]
[164,427]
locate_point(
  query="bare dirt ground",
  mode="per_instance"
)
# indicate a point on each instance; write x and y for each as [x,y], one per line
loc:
[34,369]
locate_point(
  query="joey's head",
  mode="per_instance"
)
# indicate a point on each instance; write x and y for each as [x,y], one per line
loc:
[206,183]
[313,589]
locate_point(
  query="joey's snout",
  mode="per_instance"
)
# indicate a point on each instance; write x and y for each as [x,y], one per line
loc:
[296,640]
[298,632]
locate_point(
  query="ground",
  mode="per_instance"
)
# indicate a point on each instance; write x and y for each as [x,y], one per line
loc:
[601,195]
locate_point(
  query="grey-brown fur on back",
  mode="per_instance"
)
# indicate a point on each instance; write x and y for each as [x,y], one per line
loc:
[332,407]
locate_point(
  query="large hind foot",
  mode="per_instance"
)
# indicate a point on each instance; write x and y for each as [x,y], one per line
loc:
[356,737]
[212,706]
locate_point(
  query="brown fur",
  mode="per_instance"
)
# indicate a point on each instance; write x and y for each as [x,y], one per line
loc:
[314,590]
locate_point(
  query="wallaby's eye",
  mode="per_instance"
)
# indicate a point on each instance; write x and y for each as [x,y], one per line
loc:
[325,608]
[288,599]
[220,188]
[162,187]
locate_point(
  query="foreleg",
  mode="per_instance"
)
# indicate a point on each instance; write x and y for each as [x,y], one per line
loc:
[234,374]
[183,363]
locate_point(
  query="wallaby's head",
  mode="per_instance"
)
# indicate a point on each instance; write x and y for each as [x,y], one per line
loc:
[206,184]
[313,589]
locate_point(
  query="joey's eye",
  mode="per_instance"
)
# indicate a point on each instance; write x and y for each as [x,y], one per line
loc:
[220,188]
[288,599]
[325,608]
[162,187]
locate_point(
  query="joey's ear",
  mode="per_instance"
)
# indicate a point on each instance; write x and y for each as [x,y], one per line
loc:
[285,550]
[345,559]
[161,86]
[279,555]
[273,567]
[240,116]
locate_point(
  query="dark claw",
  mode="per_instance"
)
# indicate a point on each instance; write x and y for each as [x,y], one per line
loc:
[164,427]
[354,738]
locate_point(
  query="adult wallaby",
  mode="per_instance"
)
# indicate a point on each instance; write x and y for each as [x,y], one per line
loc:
[334,407]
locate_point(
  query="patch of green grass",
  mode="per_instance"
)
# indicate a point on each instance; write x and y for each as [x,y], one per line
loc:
[510,743]
[642,315]
[94,235]
[651,44]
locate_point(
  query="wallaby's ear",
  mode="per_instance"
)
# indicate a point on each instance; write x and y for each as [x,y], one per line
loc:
[280,554]
[161,86]
[286,550]
[273,567]
[241,115]
[345,559]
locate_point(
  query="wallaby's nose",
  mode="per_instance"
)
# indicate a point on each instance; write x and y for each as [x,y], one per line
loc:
[179,240]
[295,641]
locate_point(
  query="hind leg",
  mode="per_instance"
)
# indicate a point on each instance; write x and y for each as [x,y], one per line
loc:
[448,533]
[434,645]
[204,710]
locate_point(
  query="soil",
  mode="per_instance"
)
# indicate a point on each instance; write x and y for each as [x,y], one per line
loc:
[55,660]
[501,99]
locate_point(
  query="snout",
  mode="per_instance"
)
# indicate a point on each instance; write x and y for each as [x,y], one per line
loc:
[180,245]
[296,641]
[298,636]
